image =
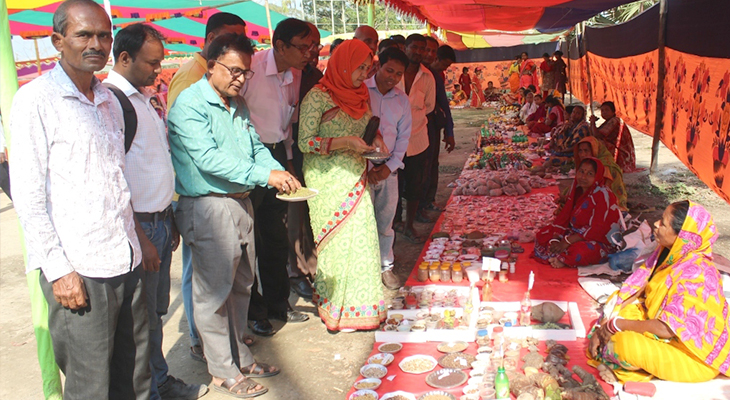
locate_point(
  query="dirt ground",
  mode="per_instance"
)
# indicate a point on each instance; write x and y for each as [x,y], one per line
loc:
[315,365]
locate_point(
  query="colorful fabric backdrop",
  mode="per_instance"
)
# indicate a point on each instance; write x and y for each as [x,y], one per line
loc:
[696,114]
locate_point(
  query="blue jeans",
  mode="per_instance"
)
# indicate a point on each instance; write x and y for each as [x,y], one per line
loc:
[157,286]
[187,289]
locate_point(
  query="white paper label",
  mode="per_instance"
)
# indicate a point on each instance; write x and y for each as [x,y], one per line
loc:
[491,264]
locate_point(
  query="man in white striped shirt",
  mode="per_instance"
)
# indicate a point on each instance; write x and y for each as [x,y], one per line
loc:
[138,53]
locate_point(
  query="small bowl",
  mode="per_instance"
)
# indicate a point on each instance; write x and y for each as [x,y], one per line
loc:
[476,373]
[381,370]
[371,381]
[469,397]
[360,393]
[474,381]
[471,389]
[383,359]
[484,357]
[487,394]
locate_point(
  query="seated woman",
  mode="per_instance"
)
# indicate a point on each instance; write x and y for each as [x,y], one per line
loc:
[669,319]
[539,114]
[615,134]
[459,97]
[592,147]
[555,116]
[515,98]
[566,135]
[491,93]
[579,235]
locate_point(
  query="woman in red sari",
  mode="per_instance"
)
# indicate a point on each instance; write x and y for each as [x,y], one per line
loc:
[556,115]
[616,136]
[465,82]
[579,236]
[478,98]
[528,72]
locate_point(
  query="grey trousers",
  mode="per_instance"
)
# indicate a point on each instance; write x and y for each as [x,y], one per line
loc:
[220,234]
[103,349]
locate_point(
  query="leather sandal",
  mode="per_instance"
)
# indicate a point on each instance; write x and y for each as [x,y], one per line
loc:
[239,388]
[259,370]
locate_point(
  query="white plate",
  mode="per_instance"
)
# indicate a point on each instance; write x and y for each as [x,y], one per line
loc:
[433,361]
[382,371]
[369,380]
[384,359]
[409,396]
[359,393]
[375,156]
[469,257]
[283,197]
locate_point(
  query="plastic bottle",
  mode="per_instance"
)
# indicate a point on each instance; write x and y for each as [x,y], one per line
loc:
[501,384]
[526,310]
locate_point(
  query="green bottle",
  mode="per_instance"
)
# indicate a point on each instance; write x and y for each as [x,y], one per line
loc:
[501,384]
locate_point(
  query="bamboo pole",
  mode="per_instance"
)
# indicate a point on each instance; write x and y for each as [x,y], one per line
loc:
[37,57]
[588,68]
[661,73]
[268,22]
[344,18]
[371,13]
[332,15]
[314,7]
[8,73]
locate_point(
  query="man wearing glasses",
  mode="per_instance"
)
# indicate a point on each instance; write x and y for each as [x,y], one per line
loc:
[272,96]
[219,159]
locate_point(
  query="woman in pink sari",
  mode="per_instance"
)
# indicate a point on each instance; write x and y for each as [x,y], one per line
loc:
[528,71]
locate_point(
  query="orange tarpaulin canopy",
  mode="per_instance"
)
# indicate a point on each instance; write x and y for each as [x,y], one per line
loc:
[505,15]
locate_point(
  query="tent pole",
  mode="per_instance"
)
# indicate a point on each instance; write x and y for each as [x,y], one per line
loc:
[332,15]
[570,42]
[371,13]
[661,73]
[37,57]
[314,7]
[268,21]
[588,68]
[8,73]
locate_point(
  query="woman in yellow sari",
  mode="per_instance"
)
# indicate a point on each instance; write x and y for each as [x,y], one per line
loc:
[670,318]
[592,147]
[514,75]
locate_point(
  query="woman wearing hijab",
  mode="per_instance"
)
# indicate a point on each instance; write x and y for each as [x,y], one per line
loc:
[670,317]
[579,235]
[347,289]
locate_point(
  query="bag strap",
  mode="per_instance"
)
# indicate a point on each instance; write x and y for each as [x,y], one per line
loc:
[130,116]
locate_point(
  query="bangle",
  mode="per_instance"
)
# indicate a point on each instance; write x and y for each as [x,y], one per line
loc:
[567,241]
[615,327]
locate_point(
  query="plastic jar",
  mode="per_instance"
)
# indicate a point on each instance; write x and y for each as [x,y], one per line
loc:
[422,272]
[445,273]
[434,274]
[498,336]
[457,275]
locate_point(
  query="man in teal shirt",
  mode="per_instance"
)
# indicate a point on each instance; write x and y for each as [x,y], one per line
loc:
[218,160]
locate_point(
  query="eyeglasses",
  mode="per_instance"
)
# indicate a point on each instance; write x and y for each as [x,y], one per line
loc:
[304,49]
[237,72]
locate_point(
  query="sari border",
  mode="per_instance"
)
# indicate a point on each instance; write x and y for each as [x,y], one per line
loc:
[345,210]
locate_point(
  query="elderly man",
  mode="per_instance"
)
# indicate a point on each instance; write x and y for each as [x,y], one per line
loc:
[73,202]
[302,252]
[419,84]
[218,24]
[138,54]
[391,105]
[219,159]
[369,36]
[272,96]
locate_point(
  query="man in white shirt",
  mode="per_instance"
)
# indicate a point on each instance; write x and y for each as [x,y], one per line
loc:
[73,203]
[529,107]
[419,84]
[4,177]
[272,97]
[391,105]
[138,54]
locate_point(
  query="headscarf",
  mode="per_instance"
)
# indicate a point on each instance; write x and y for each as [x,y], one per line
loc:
[688,297]
[573,200]
[613,172]
[337,80]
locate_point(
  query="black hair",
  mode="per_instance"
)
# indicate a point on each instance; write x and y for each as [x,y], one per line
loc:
[679,214]
[431,39]
[334,45]
[456,85]
[132,38]
[610,105]
[221,19]
[221,45]
[385,43]
[60,17]
[446,52]
[465,70]
[552,100]
[569,109]
[525,53]
[558,53]
[545,55]
[400,39]
[540,96]
[590,161]
[393,53]
[290,28]
[577,106]
[415,37]
[532,88]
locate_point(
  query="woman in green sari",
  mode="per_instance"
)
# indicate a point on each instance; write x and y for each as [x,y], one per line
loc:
[347,288]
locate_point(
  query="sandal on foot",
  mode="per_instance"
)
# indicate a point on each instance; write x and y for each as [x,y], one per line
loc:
[259,370]
[411,237]
[239,388]
[249,341]
[196,353]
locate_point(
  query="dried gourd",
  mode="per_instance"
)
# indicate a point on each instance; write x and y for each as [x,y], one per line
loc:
[547,312]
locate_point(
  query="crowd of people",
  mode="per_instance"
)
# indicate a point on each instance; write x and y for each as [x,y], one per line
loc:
[202,169]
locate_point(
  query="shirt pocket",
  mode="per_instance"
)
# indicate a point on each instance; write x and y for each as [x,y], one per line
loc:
[418,101]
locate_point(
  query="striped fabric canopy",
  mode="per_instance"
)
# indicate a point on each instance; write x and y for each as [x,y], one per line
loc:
[181,21]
